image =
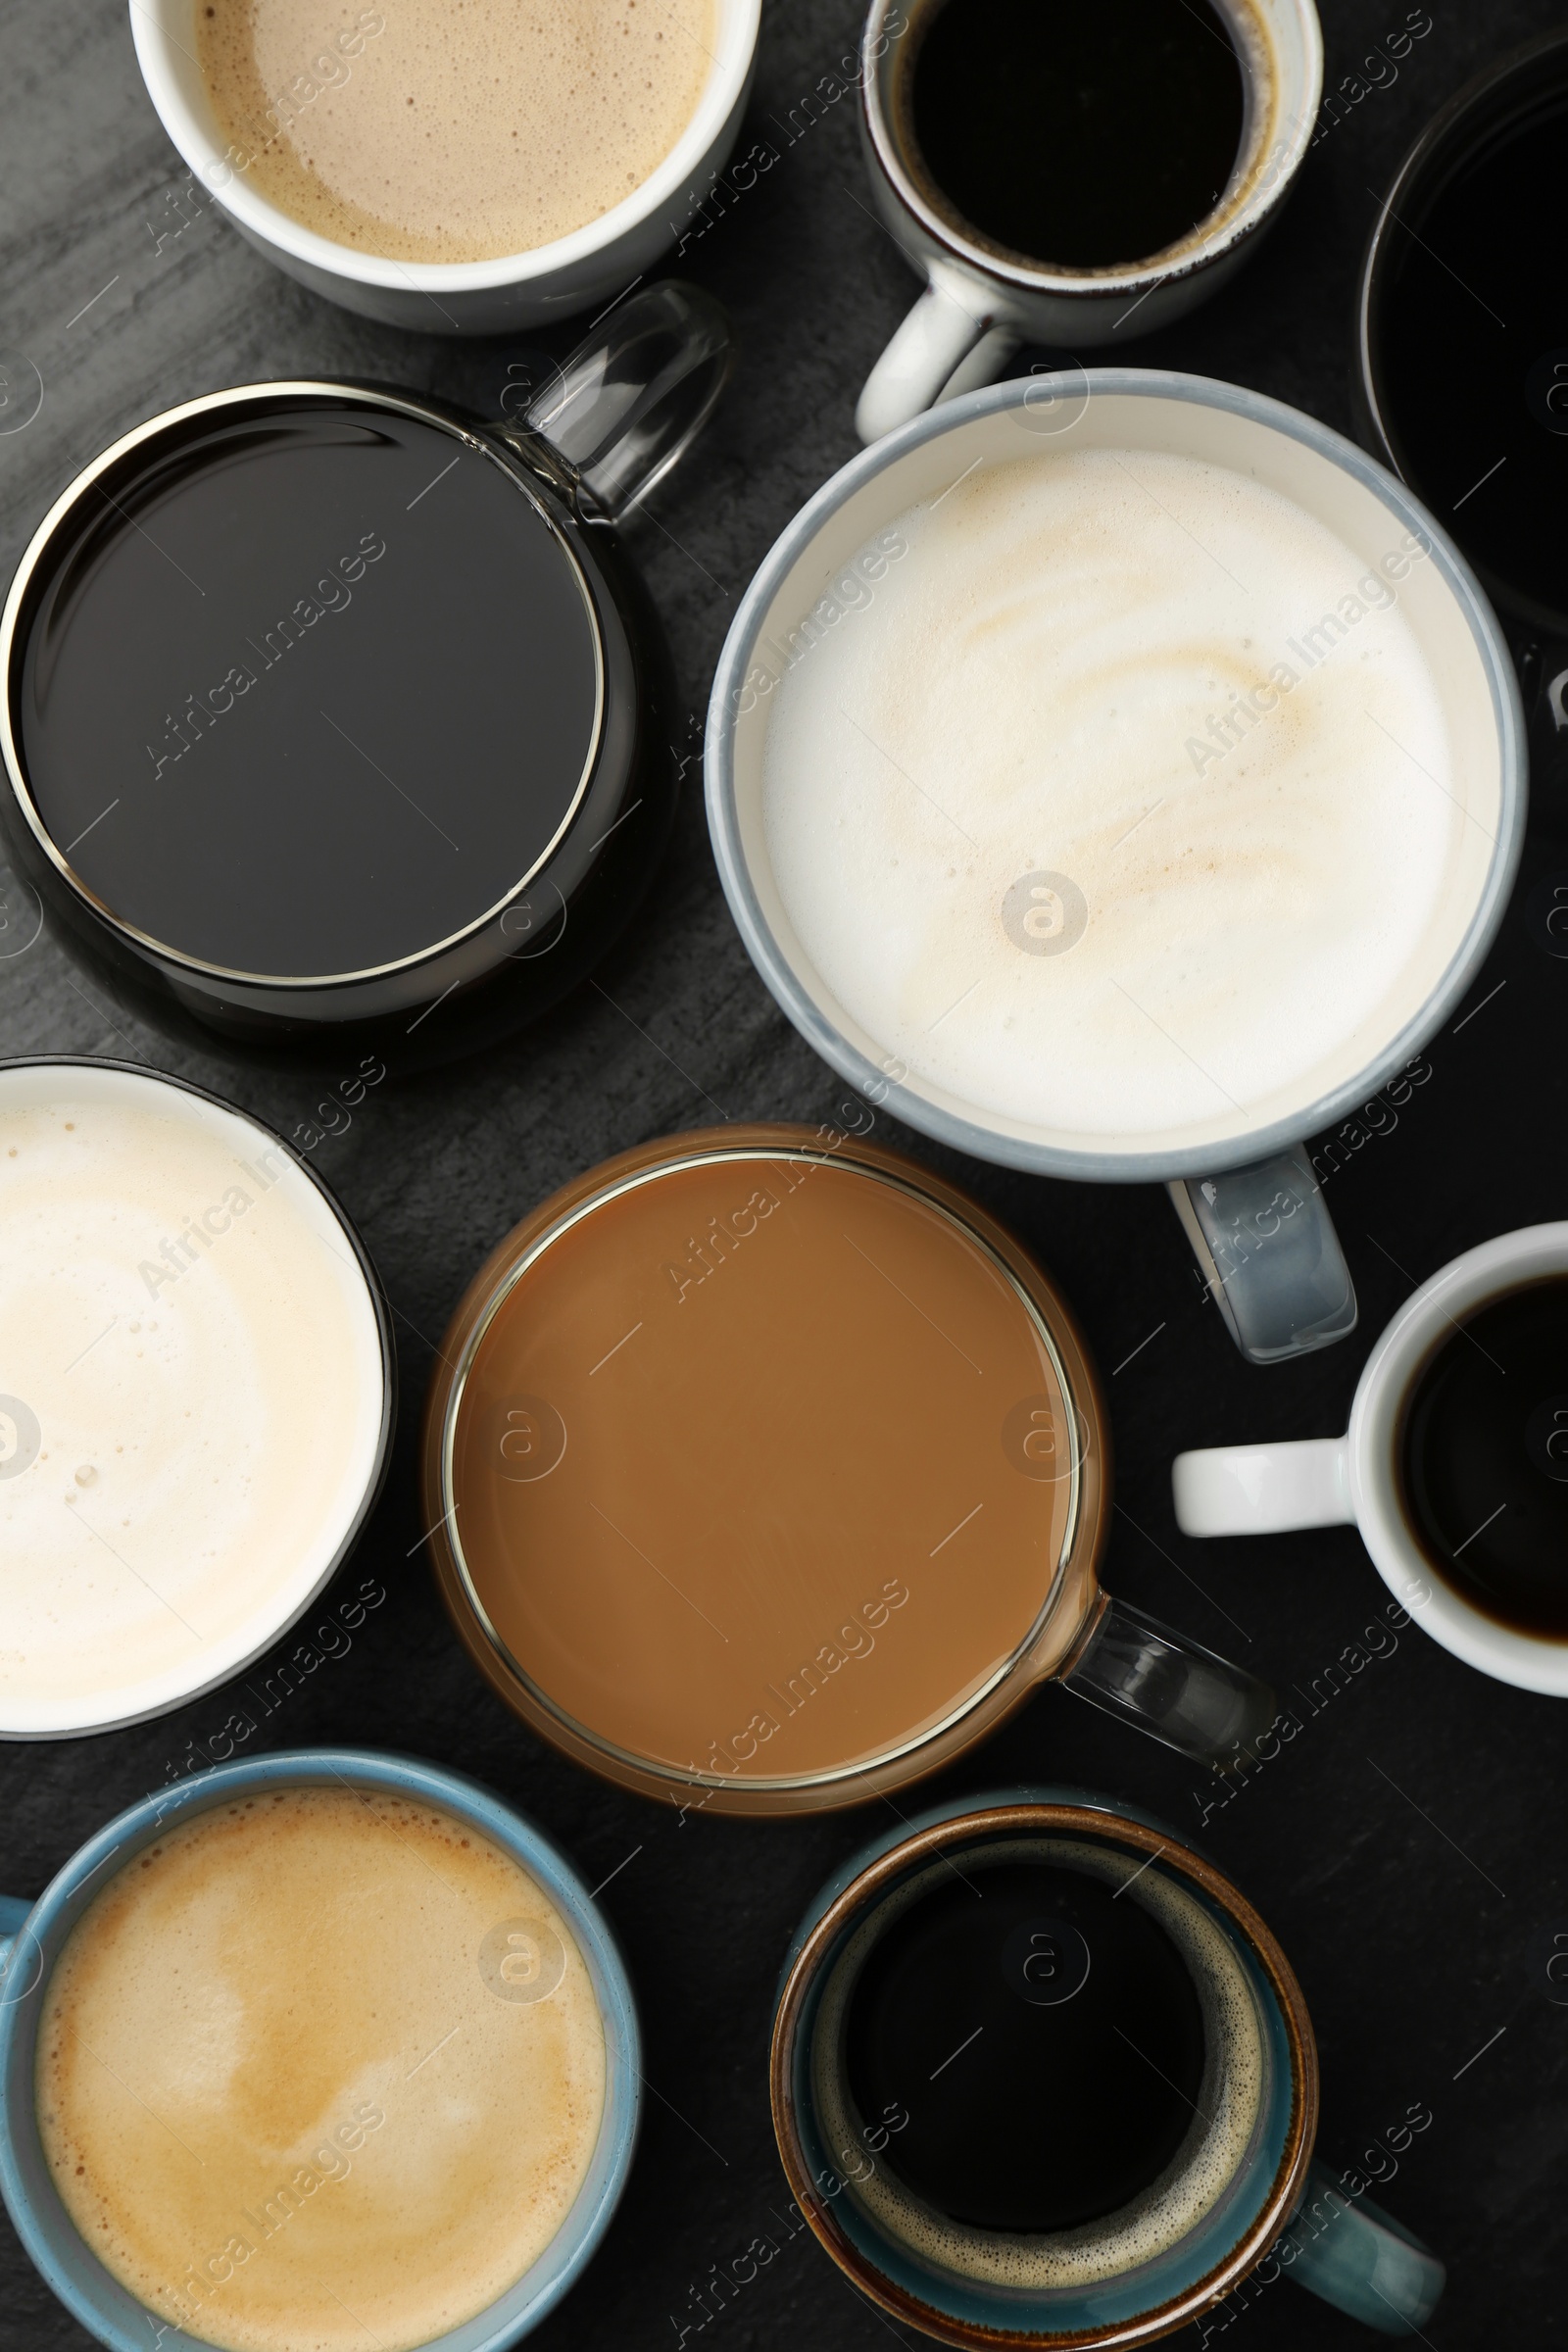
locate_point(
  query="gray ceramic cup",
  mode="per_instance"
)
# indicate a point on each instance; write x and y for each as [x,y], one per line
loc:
[1244,1186]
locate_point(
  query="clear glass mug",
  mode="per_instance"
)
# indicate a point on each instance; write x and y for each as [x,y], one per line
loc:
[639,1681]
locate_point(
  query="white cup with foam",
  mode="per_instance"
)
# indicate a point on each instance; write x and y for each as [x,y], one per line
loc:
[197,1392]
[948,745]
[571,273]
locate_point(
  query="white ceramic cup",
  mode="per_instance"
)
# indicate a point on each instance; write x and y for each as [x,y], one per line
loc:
[288,1583]
[1353,1479]
[472,298]
[980,304]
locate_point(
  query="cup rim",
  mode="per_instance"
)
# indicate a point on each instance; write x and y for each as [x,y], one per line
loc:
[455,1792]
[13,767]
[272,225]
[969,1134]
[1449,133]
[1017,1813]
[1490,1270]
[142,1073]
[1250,214]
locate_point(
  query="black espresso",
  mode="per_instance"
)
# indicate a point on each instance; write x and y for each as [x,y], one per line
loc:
[1044,2037]
[311,693]
[1465,273]
[1484,1460]
[1070,135]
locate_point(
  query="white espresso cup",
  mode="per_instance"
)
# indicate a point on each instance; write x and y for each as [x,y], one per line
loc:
[1354,1480]
[980,303]
[570,273]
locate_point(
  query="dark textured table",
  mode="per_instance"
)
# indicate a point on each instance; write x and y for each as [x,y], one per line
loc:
[1406,1845]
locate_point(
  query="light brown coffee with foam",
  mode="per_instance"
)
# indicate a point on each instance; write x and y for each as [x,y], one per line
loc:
[453,130]
[323,2069]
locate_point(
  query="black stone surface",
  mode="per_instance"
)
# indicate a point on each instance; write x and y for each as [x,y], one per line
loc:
[1406,1847]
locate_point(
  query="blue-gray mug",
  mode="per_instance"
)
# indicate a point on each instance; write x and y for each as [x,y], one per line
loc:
[1248,1193]
[1269,2210]
[32,1936]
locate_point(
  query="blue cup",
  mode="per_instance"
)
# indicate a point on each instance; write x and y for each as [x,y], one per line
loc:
[31,1941]
[1280,2212]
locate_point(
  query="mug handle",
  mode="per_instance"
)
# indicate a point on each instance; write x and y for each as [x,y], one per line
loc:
[957,337]
[630,400]
[1180,1694]
[1360,2259]
[1267,1249]
[1263,1489]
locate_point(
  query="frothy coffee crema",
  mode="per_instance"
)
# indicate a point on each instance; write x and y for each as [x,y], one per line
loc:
[1224,2107]
[425,131]
[191,1399]
[289,2093]
[1122,806]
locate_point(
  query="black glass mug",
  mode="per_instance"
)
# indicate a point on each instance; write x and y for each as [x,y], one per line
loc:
[337,719]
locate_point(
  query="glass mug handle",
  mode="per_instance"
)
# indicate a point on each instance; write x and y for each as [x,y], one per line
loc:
[1175,1689]
[1360,2259]
[1268,1251]
[629,401]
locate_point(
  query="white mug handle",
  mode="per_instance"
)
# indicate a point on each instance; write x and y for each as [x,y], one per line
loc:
[1262,1490]
[957,327]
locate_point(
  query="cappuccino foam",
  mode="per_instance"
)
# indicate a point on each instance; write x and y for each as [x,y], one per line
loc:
[1121,806]
[453,130]
[278,2093]
[190,1399]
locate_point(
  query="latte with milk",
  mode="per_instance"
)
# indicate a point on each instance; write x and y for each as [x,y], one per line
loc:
[1114,799]
[192,1395]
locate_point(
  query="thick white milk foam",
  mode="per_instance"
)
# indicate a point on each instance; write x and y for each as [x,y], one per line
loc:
[1046,684]
[196,1429]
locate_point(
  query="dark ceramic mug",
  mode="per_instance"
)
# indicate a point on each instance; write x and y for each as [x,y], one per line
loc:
[1242,2198]
[336,719]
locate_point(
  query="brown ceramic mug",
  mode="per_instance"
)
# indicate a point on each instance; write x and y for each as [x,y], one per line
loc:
[1040,2176]
[766,1471]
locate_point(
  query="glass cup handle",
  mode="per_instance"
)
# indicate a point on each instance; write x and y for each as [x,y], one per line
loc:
[1173,1689]
[630,400]
[1267,1249]
[1360,2259]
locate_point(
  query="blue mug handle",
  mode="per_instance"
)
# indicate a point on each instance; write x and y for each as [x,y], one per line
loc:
[1359,2258]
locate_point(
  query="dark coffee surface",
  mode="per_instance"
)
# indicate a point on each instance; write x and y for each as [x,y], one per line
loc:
[311,695]
[1026,2112]
[1401,1841]
[1467,273]
[1083,136]
[1484,1460]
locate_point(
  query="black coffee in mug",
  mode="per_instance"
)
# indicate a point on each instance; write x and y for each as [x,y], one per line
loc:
[1044,2037]
[1070,136]
[1483,1458]
[311,694]
[1037,2066]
